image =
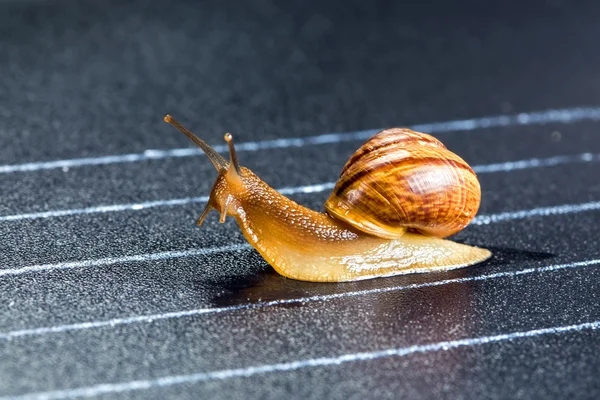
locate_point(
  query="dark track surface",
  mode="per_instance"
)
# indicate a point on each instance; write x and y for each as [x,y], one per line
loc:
[87,79]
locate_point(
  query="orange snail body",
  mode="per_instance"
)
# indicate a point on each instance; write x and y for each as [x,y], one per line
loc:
[307,245]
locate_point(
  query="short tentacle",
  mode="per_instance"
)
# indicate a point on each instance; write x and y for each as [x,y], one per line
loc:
[205,212]
[233,160]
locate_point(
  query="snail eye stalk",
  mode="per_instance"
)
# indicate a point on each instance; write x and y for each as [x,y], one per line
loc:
[232,153]
[218,161]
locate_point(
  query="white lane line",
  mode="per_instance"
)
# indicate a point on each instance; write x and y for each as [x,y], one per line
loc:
[480,169]
[166,255]
[537,163]
[479,220]
[104,209]
[149,204]
[166,381]
[200,311]
[536,212]
[565,115]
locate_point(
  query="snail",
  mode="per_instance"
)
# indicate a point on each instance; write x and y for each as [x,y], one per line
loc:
[396,199]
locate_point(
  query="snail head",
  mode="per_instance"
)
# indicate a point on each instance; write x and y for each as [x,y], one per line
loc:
[230,185]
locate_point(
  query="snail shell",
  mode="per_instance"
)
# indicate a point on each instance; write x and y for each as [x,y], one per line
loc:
[401,179]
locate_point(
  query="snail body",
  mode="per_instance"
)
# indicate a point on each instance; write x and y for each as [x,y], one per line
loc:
[303,244]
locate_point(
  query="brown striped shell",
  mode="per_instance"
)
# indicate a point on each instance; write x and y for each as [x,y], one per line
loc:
[401,179]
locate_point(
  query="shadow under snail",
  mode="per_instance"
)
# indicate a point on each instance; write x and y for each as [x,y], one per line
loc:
[397,197]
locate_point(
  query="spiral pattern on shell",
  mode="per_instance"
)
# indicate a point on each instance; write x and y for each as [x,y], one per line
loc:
[401,179]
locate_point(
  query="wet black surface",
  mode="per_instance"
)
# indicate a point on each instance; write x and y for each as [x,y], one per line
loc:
[87,79]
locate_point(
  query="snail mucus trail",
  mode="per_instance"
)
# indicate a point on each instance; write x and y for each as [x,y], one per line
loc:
[303,244]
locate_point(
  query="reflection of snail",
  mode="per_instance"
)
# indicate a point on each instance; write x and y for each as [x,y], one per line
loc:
[397,196]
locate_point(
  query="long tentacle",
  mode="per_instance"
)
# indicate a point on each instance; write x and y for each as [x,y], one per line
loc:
[218,161]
